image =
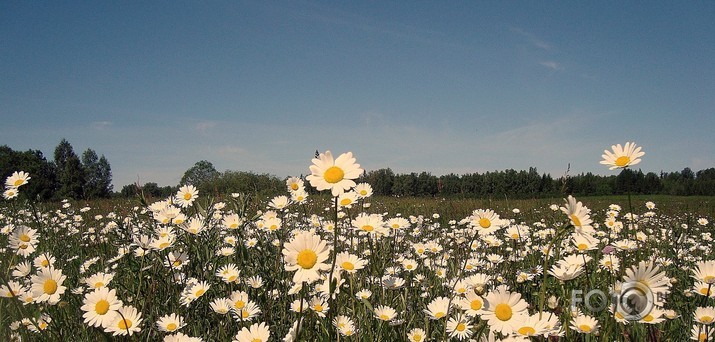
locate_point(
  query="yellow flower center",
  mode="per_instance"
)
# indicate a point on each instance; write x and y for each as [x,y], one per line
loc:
[706,319]
[294,186]
[709,279]
[345,201]
[98,284]
[124,324]
[363,192]
[318,308]
[582,247]
[527,331]
[515,236]
[476,304]
[50,286]
[409,266]
[461,327]
[417,338]
[485,223]
[347,265]
[231,278]
[177,263]
[171,327]
[702,337]
[18,182]
[256,340]
[163,245]
[585,328]
[233,226]
[200,292]
[622,161]
[576,221]
[648,318]
[24,238]
[384,317]
[368,228]
[244,314]
[503,312]
[307,259]
[45,263]
[333,174]
[439,315]
[618,315]
[187,196]
[239,304]
[101,307]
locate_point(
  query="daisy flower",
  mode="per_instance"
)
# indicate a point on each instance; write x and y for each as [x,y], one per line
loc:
[438,308]
[306,254]
[47,285]
[221,305]
[363,190]
[579,215]
[12,289]
[530,325]
[179,337]
[369,223]
[458,327]
[255,333]
[127,322]
[486,221]
[100,307]
[99,280]
[385,313]
[350,263]
[294,184]
[416,335]
[472,304]
[170,323]
[705,271]
[186,196]
[334,174]
[704,315]
[17,179]
[347,198]
[10,193]
[501,308]
[585,324]
[622,157]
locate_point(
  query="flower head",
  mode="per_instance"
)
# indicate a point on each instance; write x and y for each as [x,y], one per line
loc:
[334,174]
[622,157]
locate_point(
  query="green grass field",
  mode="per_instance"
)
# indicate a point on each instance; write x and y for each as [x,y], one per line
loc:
[223,270]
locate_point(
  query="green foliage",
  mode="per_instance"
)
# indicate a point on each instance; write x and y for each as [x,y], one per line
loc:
[70,173]
[98,182]
[200,175]
[42,172]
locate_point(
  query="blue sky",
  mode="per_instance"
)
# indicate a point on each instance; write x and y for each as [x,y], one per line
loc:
[441,87]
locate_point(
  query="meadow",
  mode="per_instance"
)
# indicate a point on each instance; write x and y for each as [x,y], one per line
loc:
[344,265]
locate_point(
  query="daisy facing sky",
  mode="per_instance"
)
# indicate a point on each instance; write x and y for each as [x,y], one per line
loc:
[622,156]
[334,174]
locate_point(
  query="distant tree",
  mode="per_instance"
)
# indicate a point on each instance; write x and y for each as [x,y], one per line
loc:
[43,181]
[70,174]
[381,181]
[200,175]
[98,175]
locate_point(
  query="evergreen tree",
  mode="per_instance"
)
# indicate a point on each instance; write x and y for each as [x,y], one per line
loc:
[98,175]
[70,174]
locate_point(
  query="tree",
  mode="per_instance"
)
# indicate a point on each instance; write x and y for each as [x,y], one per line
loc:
[98,175]
[70,174]
[43,184]
[200,175]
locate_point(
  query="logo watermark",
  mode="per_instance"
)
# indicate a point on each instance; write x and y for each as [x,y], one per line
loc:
[634,302]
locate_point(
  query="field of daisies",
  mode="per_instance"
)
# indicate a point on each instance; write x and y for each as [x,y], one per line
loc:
[337,266]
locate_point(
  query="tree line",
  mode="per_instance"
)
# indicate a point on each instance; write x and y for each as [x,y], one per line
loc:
[67,176]
[531,184]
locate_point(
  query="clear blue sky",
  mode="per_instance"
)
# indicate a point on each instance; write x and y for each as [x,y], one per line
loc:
[442,87]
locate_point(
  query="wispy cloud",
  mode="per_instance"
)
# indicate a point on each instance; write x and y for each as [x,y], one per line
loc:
[552,65]
[204,126]
[533,39]
[100,125]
